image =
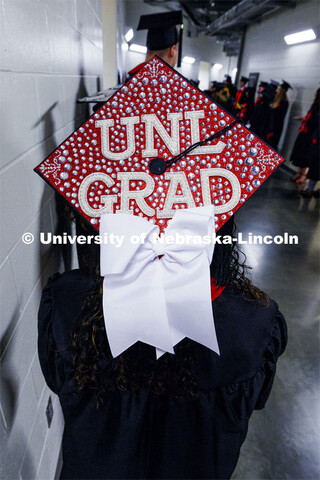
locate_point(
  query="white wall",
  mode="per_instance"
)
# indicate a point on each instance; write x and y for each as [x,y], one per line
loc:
[202,48]
[51,53]
[109,31]
[265,51]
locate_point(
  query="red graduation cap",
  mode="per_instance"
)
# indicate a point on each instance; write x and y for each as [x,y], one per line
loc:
[157,145]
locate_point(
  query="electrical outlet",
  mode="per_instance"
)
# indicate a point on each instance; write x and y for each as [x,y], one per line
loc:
[49,411]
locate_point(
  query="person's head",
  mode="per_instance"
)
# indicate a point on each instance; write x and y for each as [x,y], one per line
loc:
[243,81]
[169,55]
[285,85]
[227,80]
[261,87]
[268,93]
[281,94]
[163,38]
[279,90]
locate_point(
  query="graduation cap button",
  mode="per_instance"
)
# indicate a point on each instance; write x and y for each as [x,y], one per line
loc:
[157,166]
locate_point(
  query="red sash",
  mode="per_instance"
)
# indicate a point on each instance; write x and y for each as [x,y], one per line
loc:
[303,127]
[215,290]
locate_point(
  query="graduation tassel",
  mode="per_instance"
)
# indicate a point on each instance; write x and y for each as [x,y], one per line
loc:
[180,46]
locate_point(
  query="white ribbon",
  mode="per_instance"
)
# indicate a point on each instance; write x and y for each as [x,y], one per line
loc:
[158,301]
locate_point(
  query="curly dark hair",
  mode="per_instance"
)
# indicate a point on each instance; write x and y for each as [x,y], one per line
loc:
[137,367]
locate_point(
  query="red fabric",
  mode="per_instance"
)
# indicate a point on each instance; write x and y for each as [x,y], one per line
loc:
[137,68]
[241,111]
[303,128]
[238,95]
[215,290]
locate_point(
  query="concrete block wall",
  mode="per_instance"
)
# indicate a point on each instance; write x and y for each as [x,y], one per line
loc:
[265,51]
[51,54]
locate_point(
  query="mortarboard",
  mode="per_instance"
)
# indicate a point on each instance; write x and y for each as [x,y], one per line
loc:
[162,32]
[263,84]
[157,145]
[244,79]
[285,85]
[274,84]
[269,92]
[227,78]
[154,152]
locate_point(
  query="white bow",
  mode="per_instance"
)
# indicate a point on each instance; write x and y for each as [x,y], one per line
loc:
[158,301]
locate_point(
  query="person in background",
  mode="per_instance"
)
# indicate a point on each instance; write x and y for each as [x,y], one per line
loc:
[229,84]
[305,153]
[214,90]
[279,108]
[261,87]
[273,85]
[241,99]
[163,38]
[261,112]
[260,116]
[226,95]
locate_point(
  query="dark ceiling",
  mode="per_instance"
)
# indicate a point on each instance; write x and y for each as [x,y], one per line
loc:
[224,19]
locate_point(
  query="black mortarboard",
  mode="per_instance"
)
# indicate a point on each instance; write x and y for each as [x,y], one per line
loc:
[274,83]
[263,84]
[285,85]
[269,92]
[244,79]
[162,32]
[227,78]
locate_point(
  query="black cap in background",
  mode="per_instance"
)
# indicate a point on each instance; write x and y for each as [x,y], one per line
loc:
[269,92]
[285,85]
[162,32]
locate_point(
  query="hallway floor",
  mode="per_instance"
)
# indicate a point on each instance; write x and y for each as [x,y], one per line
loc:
[283,440]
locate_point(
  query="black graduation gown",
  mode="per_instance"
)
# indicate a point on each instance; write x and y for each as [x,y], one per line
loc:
[143,436]
[306,152]
[260,117]
[277,116]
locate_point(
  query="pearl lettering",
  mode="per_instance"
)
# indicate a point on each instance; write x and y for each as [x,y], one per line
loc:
[152,124]
[105,148]
[108,200]
[178,180]
[205,174]
[172,142]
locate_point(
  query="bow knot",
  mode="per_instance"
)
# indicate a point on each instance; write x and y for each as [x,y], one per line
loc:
[158,248]
[158,301]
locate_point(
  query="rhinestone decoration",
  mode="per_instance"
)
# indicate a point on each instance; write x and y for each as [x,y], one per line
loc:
[103,167]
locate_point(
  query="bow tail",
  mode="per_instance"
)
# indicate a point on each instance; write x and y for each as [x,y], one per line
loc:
[136,310]
[189,306]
